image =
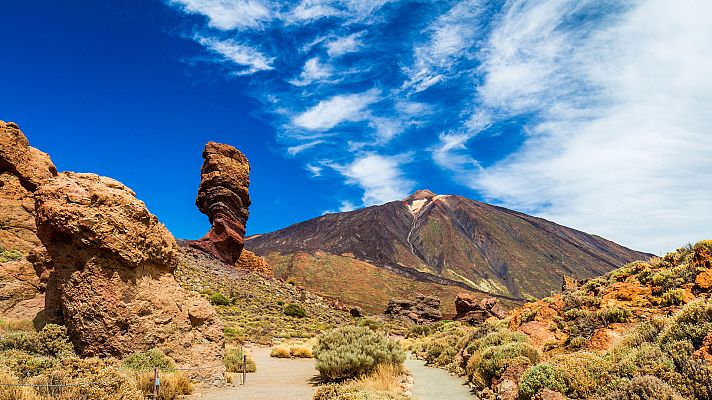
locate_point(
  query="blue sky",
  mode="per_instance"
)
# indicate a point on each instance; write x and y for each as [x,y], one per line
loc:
[594,114]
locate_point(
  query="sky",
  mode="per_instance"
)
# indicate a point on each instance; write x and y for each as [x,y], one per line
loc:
[595,114]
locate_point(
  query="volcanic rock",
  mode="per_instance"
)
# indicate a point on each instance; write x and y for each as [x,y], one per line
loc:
[420,310]
[223,196]
[252,262]
[474,311]
[111,274]
[22,169]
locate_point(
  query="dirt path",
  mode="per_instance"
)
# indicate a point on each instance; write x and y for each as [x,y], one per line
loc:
[275,379]
[436,384]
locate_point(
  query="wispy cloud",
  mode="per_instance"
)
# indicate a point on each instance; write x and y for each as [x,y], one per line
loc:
[313,71]
[333,111]
[244,56]
[229,14]
[343,45]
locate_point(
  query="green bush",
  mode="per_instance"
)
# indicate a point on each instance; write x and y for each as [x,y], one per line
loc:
[349,352]
[644,388]
[673,297]
[616,314]
[493,361]
[234,361]
[692,323]
[50,341]
[294,310]
[219,299]
[539,377]
[148,360]
[372,324]
[10,255]
[416,331]
[583,373]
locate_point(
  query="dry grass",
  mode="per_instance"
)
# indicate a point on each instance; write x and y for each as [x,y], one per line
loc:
[281,351]
[298,349]
[301,351]
[16,325]
[387,378]
[173,384]
[385,383]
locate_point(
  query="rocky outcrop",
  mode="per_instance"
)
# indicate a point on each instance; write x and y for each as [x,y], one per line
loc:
[111,280]
[22,169]
[223,196]
[474,311]
[250,261]
[419,310]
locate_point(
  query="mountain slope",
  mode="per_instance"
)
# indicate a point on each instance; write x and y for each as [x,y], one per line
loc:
[451,240]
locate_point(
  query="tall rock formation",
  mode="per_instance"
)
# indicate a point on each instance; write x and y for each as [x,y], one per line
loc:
[22,170]
[111,277]
[223,196]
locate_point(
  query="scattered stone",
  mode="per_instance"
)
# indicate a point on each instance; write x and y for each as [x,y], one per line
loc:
[110,275]
[223,196]
[356,312]
[420,310]
[475,311]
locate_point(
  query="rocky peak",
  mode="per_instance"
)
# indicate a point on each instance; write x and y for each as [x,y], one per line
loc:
[224,197]
[30,165]
[420,194]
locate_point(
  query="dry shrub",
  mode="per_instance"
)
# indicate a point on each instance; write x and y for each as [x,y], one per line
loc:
[644,388]
[281,351]
[16,325]
[301,351]
[382,384]
[583,373]
[173,384]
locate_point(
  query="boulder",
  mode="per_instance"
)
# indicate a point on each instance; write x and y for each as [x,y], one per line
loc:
[419,310]
[22,169]
[110,276]
[475,311]
[250,261]
[223,196]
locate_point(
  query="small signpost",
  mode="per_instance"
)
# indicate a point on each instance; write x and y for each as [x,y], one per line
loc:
[244,367]
[156,383]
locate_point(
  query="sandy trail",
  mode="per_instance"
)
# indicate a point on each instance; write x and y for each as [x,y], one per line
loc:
[275,379]
[436,384]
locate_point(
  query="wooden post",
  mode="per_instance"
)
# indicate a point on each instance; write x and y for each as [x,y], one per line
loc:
[156,383]
[244,367]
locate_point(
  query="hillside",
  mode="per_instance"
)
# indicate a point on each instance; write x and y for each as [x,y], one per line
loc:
[438,240]
[643,331]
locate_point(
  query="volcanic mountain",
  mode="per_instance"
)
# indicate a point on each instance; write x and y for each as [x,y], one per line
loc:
[438,244]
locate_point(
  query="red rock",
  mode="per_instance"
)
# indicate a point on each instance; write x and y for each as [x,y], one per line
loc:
[110,275]
[223,196]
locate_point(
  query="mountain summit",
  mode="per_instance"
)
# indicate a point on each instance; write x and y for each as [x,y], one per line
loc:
[445,240]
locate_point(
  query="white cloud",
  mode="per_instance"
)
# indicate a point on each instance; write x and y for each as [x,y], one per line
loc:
[380,177]
[294,150]
[229,14]
[313,71]
[314,170]
[623,146]
[451,35]
[242,55]
[343,45]
[335,110]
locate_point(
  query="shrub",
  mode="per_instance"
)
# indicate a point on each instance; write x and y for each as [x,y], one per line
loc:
[234,361]
[539,377]
[692,323]
[294,310]
[417,331]
[616,314]
[349,352]
[148,360]
[16,325]
[301,351]
[372,324]
[646,359]
[50,341]
[673,297]
[583,373]
[644,388]
[10,255]
[219,299]
[173,384]
[491,362]
[281,351]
